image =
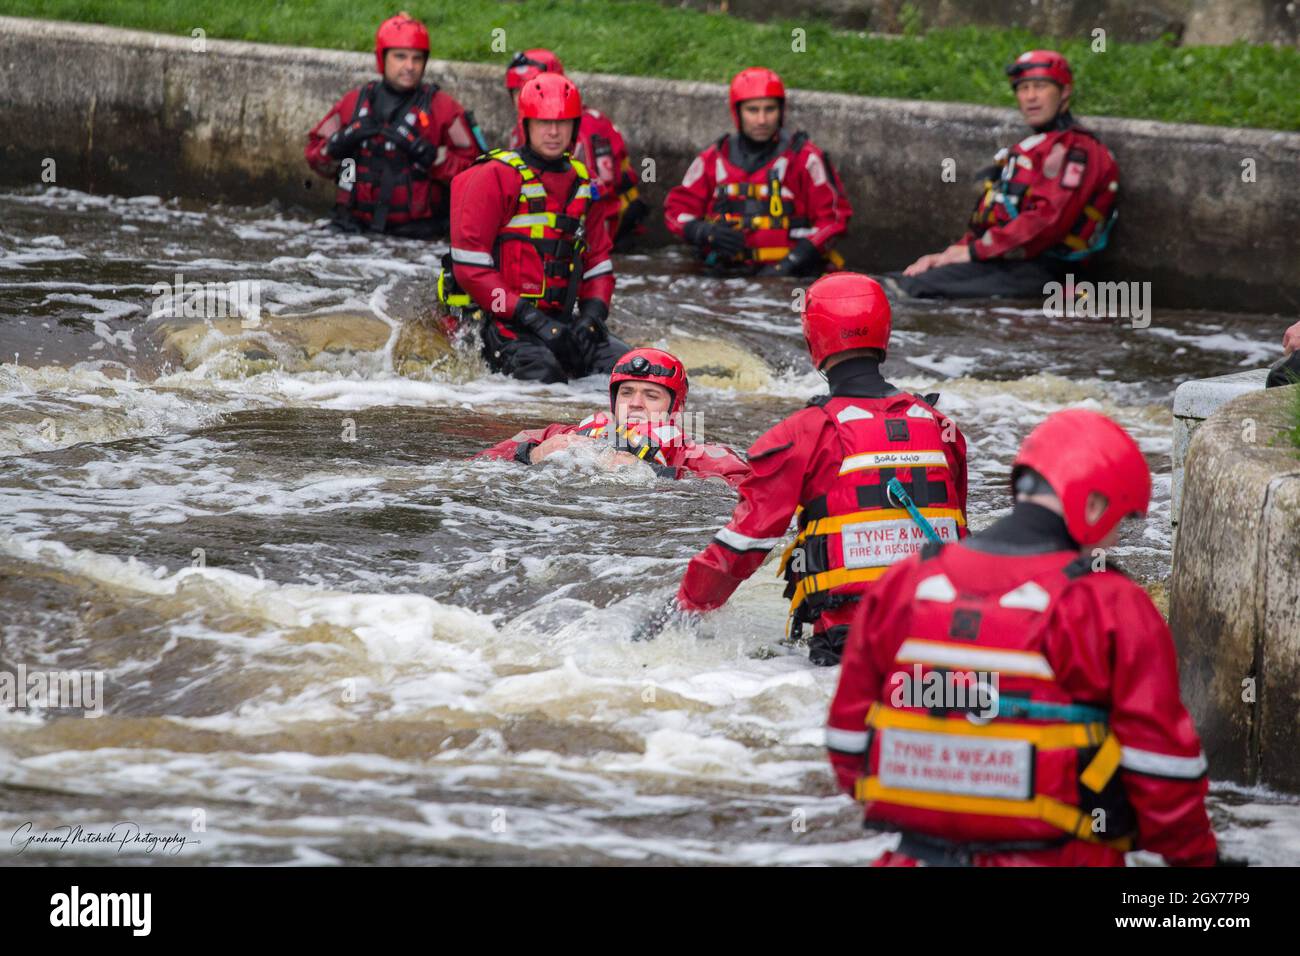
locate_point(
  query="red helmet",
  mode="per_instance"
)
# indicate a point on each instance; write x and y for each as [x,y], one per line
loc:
[1041,65]
[1080,452]
[528,64]
[549,96]
[842,311]
[651,365]
[752,84]
[401,31]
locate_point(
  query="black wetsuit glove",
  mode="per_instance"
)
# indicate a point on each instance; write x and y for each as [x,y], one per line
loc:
[550,330]
[422,152]
[720,238]
[1285,372]
[802,258]
[590,330]
[345,142]
[667,614]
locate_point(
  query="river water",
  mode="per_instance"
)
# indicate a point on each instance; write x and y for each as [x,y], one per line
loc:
[326,634]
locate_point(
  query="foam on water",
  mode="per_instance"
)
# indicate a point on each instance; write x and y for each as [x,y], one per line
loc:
[400,654]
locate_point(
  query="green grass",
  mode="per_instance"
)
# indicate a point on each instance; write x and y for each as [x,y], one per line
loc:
[1239,85]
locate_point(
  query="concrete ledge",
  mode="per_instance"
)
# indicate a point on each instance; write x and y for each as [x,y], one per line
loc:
[1196,401]
[144,113]
[1235,591]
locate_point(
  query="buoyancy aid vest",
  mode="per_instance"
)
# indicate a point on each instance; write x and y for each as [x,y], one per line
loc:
[645,442]
[611,178]
[1008,183]
[556,230]
[758,203]
[973,741]
[382,182]
[850,535]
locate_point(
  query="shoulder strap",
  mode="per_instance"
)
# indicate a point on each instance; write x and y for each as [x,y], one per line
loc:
[365,97]
[425,100]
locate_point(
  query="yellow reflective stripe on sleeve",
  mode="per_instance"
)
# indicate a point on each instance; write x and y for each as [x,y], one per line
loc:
[579,167]
[1093,213]
[771,253]
[835,259]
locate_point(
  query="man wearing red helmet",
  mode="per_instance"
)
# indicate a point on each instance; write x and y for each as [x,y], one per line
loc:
[1062,740]
[647,395]
[762,198]
[868,469]
[1048,202]
[394,145]
[600,148]
[528,243]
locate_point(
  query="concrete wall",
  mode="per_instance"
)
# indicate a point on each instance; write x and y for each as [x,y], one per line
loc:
[1235,592]
[1192,21]
[1194,402]
[144,113]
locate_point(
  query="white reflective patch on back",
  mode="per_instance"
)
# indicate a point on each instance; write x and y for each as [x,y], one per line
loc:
[816,169]
[1029,596]
[693,172]
[852,414]
[956,764]
[943,654]
[936,588]
[877,544]
[459,134]
[916,411]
